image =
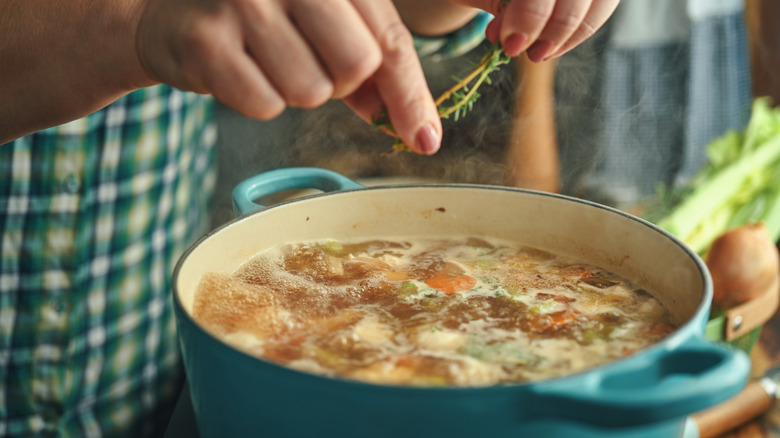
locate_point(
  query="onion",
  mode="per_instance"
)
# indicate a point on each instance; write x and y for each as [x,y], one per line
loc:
[743,262]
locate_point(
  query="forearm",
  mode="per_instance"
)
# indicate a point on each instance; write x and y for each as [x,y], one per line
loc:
[762,16]
[532,155]
[60,60]
[433,17]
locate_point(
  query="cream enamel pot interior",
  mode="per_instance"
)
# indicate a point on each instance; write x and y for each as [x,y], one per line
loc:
[648,394]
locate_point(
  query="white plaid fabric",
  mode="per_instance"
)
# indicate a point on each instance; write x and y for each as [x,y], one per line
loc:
[93,216]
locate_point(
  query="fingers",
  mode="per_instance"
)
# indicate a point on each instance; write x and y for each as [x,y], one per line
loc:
[544,28]
[202,52]
[354,41]
[494,28]
[344,44]
[566,18]
[234,79]
[284,56]
[399,82]
[597,15]
[522,24]
[259,56]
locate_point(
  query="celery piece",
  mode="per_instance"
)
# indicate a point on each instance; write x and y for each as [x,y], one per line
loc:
[719,192]
[723,150]
[760,204]
[738,185]
[771,216]
[702,236]
[333,248]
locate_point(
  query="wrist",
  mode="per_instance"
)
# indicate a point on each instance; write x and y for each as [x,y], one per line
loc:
[123,62]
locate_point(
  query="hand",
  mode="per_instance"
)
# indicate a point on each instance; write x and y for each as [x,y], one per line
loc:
[543,28]
[259,56]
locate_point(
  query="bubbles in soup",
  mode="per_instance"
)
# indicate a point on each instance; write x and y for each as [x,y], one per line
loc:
[451,312]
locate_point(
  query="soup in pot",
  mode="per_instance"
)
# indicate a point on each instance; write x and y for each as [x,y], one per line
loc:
[430,312]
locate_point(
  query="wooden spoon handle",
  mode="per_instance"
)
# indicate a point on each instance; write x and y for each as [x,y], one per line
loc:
[748,404]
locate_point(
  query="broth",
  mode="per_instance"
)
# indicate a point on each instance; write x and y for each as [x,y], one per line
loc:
[430,312]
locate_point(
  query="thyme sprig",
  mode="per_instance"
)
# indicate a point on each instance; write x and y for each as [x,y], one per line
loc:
[459,99]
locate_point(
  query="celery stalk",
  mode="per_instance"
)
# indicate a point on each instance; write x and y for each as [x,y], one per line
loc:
[740,184]
[706,200]
[771,216]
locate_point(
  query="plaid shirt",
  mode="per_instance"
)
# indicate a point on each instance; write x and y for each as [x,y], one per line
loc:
[93,216]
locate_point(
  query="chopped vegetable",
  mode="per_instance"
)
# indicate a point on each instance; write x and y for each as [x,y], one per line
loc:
[451,283]
[544,307]
[552,322]
[333,248]
[744,264]
[561,318]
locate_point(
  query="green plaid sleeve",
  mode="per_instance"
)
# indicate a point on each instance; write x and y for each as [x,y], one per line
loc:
[94,215]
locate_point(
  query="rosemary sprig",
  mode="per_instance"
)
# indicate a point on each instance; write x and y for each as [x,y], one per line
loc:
[459,99]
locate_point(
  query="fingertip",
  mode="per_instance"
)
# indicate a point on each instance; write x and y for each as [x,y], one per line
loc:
[515,43]
[492,29]
[265,109]
[314,94]
[427,141]
[540,51]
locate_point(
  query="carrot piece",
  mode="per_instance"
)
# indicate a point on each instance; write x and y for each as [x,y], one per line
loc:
[551,322]
[561,318]
[449,284]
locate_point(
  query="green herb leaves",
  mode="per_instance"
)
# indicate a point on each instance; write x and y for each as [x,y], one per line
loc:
[459,99]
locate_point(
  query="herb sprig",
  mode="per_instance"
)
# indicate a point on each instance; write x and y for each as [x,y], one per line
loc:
[459,99]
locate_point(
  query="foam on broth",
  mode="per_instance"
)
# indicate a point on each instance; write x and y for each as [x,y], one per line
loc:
[453,312]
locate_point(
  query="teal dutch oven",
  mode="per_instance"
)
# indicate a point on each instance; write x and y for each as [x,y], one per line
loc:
[648,394]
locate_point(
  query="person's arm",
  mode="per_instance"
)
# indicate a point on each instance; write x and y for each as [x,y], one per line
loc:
[60,60]
[532,152]
[763,17]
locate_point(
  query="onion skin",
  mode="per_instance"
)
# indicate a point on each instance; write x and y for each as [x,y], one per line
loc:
[743,262]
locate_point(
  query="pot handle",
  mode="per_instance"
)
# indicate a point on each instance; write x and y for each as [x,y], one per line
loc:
[656,387]
[267,183]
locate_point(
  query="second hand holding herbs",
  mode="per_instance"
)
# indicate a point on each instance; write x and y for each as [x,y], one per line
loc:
[543,29]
